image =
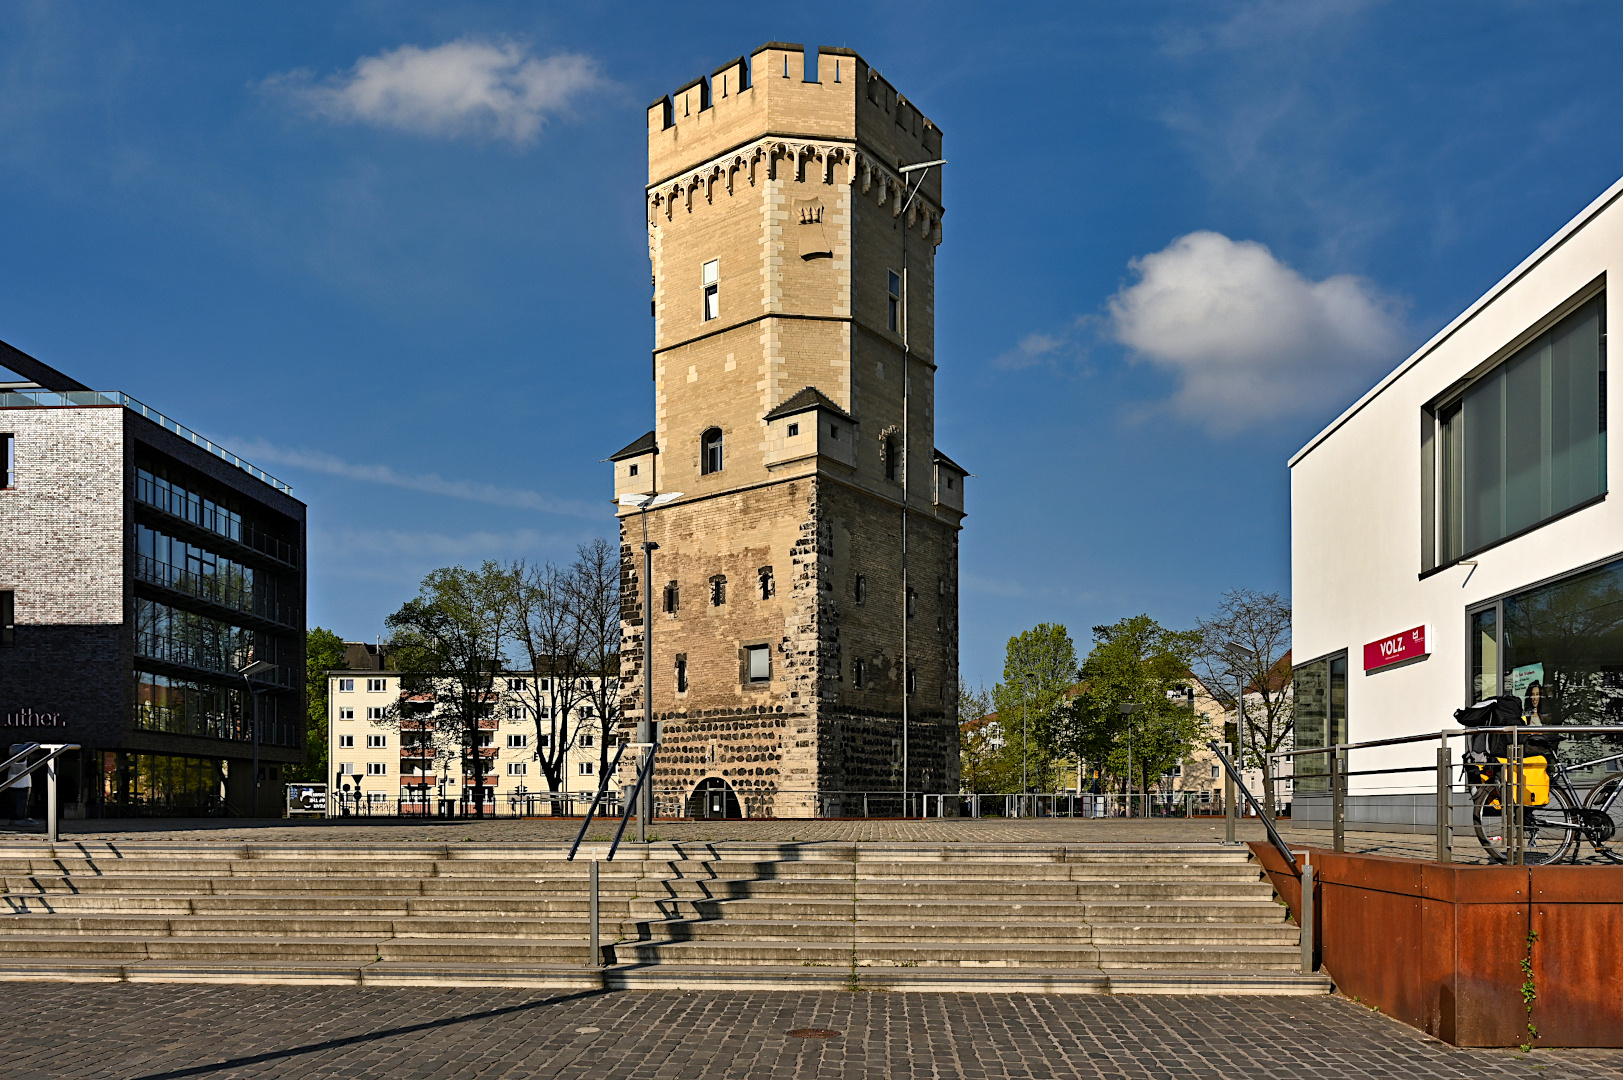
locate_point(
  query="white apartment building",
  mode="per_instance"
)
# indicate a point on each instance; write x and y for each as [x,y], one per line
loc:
[385,748]
[1453,535]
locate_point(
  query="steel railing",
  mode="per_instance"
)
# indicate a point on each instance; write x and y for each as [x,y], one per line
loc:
[11,775]
[1506,775]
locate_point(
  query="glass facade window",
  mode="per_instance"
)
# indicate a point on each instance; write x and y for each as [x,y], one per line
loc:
[175,564]
[170,496]
[1320,718]
[163,784]
[1559,648]
[187,638]
[1527,441]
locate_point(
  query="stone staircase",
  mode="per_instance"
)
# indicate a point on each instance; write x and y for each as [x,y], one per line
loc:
[1075,919]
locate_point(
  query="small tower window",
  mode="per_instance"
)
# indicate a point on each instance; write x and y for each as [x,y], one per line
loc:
[858,671]
[888,448]
[712,289]
[633,471]
[710,452]
[794,429]
[767,587]
[718,590]
[862,594]
[681,673]
[912,602]
[673,597]
[893,302]
[912,681]
[760,663]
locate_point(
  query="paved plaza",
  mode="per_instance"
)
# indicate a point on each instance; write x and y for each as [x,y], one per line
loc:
[171,1032]
[373,830]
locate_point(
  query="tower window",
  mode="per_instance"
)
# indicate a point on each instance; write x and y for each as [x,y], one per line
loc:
[673,597]
[858,672]
[888,449]
[712,289]
[862,593]
[710,452]
[633,471]
[718,590]
[681,673]
[912,680]
[767,587]
[760,663]
[893,302]
[794,429]
[912,602]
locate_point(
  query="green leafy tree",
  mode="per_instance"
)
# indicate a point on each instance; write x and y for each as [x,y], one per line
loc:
[1039,667]
[449,642]
[323,652]
[980,752]
[1137,662]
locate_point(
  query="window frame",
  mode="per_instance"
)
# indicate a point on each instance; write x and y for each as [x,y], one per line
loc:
[893,300]
[710,280]
[680,679]
[1435,490]
[377,686]
[749,653]
[8,460]
[8,618]
[709,446]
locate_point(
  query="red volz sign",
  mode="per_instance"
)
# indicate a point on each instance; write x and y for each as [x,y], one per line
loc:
[1409,645]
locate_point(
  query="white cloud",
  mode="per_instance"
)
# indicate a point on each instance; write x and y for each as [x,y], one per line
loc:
[421,545]
[1247,337]
[494,89]
[258,450]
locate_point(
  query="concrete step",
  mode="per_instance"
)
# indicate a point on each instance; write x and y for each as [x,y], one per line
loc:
[738,951]
[846,933]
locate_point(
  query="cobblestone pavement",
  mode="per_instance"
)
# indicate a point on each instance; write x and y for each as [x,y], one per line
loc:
[972,830]
[164,1032]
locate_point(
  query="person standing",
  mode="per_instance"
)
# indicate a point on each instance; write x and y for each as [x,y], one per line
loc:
[20,789]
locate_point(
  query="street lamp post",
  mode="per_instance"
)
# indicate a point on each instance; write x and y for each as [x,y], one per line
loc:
[255,667]
[645,727]
[1127,709]
[923,169]
[1239,655]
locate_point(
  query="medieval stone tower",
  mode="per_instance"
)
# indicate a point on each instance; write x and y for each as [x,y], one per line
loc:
[794,298]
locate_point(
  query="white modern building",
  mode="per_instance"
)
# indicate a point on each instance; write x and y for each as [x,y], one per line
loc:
[1452,534]
[387,747]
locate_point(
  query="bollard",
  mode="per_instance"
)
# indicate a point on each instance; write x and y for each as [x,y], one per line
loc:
[1445,811]
[1307,916]
[594,957]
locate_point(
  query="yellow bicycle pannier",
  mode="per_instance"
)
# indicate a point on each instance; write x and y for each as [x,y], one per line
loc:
[1535,780]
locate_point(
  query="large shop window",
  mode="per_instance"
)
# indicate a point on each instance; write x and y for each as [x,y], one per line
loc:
[1527,441]
[1320,688]
[1558,647]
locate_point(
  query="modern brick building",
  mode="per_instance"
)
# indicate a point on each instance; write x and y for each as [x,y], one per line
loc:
[142,568]
[804,599]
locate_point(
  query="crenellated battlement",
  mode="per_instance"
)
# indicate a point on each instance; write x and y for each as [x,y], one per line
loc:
[779,91]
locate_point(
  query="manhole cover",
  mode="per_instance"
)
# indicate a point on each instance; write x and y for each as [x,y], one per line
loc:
[814,1033]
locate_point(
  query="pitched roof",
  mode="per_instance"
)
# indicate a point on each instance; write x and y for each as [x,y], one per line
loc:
[945,460]
[644,445]
[806,400]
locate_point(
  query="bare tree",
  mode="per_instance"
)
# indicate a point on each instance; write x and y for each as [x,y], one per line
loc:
[1261,622]
[594,590]
[542,627]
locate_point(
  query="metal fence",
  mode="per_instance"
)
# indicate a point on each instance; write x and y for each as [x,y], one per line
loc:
[1562,785]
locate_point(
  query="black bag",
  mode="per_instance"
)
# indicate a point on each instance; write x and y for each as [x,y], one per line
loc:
[1504,710]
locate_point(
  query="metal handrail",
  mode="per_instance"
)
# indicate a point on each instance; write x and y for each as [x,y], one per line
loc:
[56,751]
[1564,729]
[632,799]
[1267,821]
[602,789]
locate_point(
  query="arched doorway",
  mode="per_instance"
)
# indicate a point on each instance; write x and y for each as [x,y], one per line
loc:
[713,798]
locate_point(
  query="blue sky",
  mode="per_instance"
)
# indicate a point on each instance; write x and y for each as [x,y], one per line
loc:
[393,253]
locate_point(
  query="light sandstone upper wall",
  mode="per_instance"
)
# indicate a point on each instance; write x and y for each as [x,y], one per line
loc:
[848,102]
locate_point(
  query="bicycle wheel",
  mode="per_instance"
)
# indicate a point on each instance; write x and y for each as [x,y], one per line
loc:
[1606,799]
[1548,832]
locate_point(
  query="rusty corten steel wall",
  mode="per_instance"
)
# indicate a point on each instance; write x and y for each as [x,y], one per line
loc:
[1439,946]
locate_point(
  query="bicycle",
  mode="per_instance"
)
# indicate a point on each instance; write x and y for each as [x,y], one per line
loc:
[1555,830]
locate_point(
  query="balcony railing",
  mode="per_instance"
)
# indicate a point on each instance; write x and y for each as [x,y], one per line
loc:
[50,399]
[213,588]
